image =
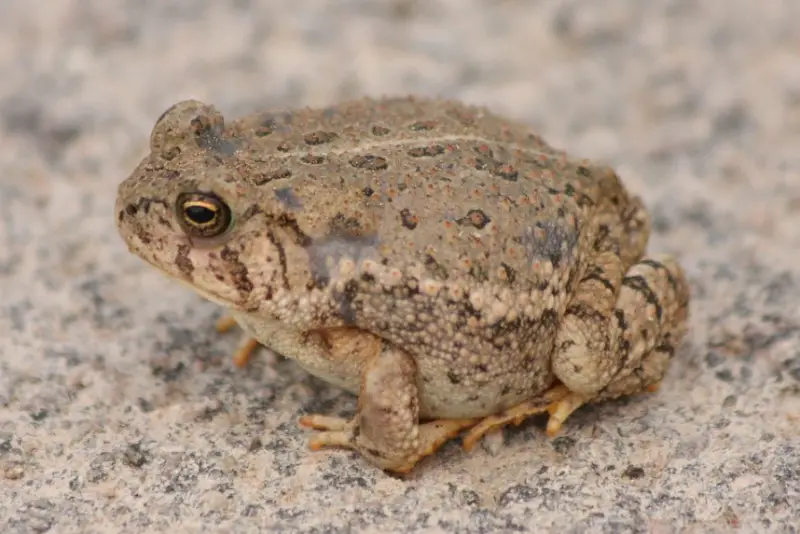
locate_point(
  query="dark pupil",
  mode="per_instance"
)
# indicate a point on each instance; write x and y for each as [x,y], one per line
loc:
[200,214]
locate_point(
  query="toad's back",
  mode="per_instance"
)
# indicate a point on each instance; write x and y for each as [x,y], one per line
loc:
[445,190]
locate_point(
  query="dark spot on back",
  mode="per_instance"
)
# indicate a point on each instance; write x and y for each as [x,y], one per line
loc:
[422,151]
[421,126]
[476,218]
[319,137]
[313,159]
[409,220]
[380,130]
[504,171]
[496,168]
[369,162]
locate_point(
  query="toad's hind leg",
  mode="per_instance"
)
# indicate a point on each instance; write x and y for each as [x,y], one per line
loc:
[386,428]
[602,355]
[603,350]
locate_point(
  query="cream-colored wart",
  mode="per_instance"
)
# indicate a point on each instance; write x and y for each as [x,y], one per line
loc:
[444,264]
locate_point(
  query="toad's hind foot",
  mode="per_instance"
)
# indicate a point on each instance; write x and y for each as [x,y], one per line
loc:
[337,432]
[549,402]
[247,346]
[561,410]
[559,402]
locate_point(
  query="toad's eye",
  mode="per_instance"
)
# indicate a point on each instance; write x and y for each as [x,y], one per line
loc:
[203,214]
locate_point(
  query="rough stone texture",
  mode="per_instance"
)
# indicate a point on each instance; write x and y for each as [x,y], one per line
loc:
[119,408]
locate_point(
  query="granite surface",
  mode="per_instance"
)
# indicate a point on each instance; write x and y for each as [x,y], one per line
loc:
[120,410]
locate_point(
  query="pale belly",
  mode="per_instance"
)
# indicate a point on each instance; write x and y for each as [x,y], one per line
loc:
[341,357]
[441,399]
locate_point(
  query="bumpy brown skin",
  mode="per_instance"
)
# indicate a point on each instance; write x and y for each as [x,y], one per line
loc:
[443,263]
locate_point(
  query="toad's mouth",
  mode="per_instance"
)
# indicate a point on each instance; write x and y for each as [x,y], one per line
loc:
[206,294]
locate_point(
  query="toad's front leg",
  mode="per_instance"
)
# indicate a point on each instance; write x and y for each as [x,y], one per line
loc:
[247,345]
[386,428]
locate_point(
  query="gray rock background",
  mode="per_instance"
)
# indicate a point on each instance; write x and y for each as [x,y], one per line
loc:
[119,408]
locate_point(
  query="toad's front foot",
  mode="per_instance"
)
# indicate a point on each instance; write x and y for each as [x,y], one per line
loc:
[400,456]
[386,428]
[247,346]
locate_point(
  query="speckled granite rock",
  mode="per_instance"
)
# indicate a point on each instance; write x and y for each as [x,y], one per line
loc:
[119,408]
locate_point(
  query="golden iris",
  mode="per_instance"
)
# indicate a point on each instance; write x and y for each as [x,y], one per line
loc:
[203,214]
